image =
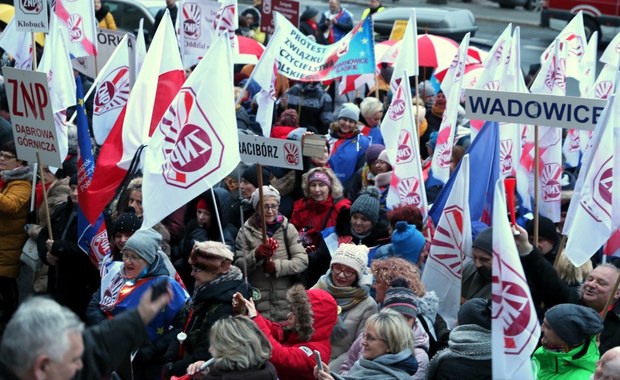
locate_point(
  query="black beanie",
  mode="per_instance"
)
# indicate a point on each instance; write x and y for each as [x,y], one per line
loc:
[250,174]
[546,229]
[574,324]
[127,221]
[484,241]
[476,311]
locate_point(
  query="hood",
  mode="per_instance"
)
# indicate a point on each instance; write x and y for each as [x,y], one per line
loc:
[404,361]
[23,173]
[429,305]
[316,311]
[420,337]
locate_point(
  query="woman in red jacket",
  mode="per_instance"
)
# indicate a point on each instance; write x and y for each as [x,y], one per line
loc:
[320,207]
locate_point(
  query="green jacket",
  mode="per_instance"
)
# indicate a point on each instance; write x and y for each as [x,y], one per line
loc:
[561,365]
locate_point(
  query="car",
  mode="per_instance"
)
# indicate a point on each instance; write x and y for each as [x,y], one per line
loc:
[598,16]
[127,14]
[446,22]
[510,4]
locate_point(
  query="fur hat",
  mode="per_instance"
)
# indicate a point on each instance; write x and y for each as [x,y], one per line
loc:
[399,297]
[484,241]
[372,153]
[204,249]
[407,241]
[145,243]
[476,311]
[574,324]
[368,204]
[268,191]
[127,222]
[546,229]
[353,256]
[349,111]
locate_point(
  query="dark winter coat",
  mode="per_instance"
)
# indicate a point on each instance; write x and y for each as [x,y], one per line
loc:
[266,372]
[315,104]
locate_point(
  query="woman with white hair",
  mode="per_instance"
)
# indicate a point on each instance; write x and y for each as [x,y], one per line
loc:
[372,112]
[272,263]
[240,351]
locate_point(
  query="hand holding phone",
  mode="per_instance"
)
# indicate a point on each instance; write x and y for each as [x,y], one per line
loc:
[160,287]
[317,358]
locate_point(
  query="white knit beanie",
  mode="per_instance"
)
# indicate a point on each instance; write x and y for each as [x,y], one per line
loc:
[352,255]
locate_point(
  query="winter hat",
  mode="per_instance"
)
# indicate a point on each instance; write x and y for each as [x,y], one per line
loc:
[546,229]
[73,180]
[476,311]
[574,324]
[127,221]
[399,297]
[349,111]
[202,205]
[407,241]
[309,13]
[352,255]
[203,250]
[145,243]
[484,241]
[477,227]
[368,204]
[372,152]
[383,156]
[268,191]
[426,89]
[319,176]
[250,174]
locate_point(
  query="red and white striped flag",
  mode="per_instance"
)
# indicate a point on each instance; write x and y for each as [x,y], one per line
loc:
[451,246]
[18,45]
[79,25]
[514,324]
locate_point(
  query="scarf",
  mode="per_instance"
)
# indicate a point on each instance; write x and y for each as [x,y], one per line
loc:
[346,136]
[466,341]
[272,227]
[100,14]
[437,111]
[332,38]
[234,274]
[367,176]
[313,25]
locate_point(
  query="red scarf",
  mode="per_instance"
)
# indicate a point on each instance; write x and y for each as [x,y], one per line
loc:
[331,39]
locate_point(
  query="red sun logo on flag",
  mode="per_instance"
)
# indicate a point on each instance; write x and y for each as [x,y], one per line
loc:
[75,24]
[113,91]
[409,191]
[492,85]
[191,22]
[599,204]
[444,149]
[405,151]
[575,45]
[505,157]
[191,147]
[551,182]
[603,89]
[291,154]
[397,108]
[100,245]
[447,245]
[497,56]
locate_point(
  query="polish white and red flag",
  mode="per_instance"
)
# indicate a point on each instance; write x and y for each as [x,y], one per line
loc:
[572,40]
[401,143]
[407,60]
[192,148]
[514,324]
[77,18]
[18,45]
[451,86]
[112,91]
[157,84]
[450,248]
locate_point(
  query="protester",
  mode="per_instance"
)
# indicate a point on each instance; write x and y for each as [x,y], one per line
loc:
[336,22]
[319,209]
[314,106]
[388,351]
[313,314]
[308,25]
[123,228]
[608,367]
[548,237]
[104,16]
[374,7]
[171,6]
[568,344]
[476,277]
[348,146]
[240,351]
[377,171]
[272,264]
[247,186]
[15,188]
[47,341]
[345,282]
[371,110]
[469,353]
[217,280]
[407,242]
[144,265]
[433,119]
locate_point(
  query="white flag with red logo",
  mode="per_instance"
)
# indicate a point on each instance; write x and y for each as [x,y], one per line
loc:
[590,212]
[18,45]
[572,39]
[226,20]
[408,58]
[401,144]
[79,25]
[266,100]
[157,84]
[196,28]
[193,148]
[514,324]
[451,86]
[450,248]
[140,50]
[611,55]
[55,63]
[112,91]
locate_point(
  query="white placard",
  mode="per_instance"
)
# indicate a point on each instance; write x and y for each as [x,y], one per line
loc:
[107,41]
[271,152]
[31,16]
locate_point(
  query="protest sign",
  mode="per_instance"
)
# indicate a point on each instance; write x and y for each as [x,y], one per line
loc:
[271,152]
[288,8]
[31,16]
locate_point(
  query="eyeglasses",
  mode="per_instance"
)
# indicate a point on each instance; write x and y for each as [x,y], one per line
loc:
[6,156]
[370,338]
[131,258]
[270,207]
[346,272]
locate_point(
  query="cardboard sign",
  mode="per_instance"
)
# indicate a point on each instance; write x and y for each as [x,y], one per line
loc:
[107,41]
[32,118]
[398,30]
[31,16]
[271,152]
[288,9]
[534,109]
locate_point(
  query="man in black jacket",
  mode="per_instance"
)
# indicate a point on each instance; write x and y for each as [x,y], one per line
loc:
[594,293]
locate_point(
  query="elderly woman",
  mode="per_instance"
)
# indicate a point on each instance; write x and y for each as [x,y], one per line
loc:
[348,145]
[216,280]
[271,263]
[240,351]
[342,281]
[387,351]
[364,224]
[144,265]
[321,206]
[372,113]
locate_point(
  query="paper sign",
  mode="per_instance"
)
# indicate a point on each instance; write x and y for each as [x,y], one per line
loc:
[398,30]
[288,9]
[31,16]
[271,152]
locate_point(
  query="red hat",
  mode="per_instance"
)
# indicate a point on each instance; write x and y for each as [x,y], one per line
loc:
[202,205]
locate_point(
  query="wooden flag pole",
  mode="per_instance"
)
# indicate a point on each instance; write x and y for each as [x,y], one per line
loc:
[34,52]
[45,204]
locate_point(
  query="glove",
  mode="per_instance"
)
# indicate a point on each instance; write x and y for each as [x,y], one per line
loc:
[267,249]
[269,266]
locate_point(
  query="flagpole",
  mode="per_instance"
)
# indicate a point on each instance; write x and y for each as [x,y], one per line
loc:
[261,210]
[536,164]
[34,187]
[34,52]
[561,247]
[217,215]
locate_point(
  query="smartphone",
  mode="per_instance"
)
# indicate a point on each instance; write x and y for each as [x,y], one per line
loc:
[317,358]
[160,287]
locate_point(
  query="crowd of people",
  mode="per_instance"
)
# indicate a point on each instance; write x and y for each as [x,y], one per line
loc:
[280,274]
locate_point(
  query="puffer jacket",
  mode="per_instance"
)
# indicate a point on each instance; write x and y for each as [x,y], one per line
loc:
[313,217]
[292,355]
[290,258]
[579,363]
[14,204]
